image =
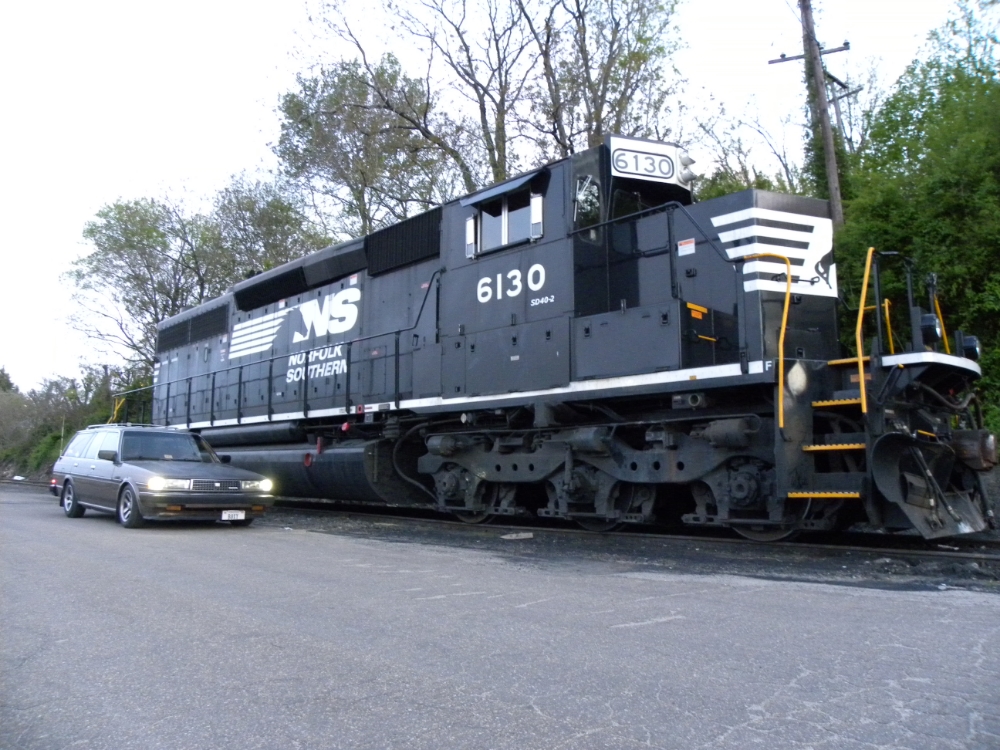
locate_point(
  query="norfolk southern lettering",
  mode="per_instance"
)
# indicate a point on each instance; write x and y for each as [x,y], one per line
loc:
[585,342]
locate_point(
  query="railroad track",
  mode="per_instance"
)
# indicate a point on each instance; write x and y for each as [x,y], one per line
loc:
[979,549]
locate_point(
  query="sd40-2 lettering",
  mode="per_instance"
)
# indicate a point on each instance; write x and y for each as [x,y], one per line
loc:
[510,284]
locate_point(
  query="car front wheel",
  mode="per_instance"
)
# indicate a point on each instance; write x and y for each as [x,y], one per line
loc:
[128,509]
[71,507]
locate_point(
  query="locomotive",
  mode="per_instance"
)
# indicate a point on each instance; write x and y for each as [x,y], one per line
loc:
[586,342]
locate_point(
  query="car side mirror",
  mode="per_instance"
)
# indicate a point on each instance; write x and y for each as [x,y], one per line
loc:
[108,456]
[225,458]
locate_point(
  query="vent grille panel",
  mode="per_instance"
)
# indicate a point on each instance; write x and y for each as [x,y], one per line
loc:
[409,241]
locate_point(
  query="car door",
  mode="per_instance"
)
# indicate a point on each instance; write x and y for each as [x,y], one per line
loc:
[105,471]
[72,462]
[91,485]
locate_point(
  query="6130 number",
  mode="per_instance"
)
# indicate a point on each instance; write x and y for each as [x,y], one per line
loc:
[490,287]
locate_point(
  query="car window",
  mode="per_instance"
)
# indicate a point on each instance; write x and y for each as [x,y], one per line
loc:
[78,445]
[110,442]
[95,445]
[159,446]
[208,454]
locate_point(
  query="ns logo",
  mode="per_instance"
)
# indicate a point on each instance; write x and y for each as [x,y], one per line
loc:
[337,314]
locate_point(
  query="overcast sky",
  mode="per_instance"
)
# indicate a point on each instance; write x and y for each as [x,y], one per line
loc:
[113,99]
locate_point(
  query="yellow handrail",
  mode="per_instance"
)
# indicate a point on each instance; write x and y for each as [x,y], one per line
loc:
[781,335]
[857,330]
[944,333]
[888,326]
[119,402]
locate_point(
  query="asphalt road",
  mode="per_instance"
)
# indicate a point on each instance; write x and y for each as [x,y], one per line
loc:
[202,636]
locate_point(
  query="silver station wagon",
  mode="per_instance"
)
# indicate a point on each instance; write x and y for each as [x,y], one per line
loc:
[145,473]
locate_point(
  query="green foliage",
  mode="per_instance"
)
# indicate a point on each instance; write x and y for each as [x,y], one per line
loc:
[724,182]
[928,187]
[6,384]
[341,137]
[262,225]
[152,259]
[45,452]
[33,426]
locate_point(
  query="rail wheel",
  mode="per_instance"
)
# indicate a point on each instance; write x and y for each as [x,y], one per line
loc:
[767,533]
[487,492]
[598,525]
[473,518]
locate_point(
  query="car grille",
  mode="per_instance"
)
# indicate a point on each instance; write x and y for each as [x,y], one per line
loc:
[215,485]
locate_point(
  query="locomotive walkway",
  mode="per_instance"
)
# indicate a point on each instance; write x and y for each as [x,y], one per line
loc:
[372,636]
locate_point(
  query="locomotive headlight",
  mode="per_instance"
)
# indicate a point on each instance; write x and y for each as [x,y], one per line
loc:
[688,176]
[686,161]
[930,328]
[971,348]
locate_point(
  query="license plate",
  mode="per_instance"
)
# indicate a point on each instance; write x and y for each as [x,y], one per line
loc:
[234,515]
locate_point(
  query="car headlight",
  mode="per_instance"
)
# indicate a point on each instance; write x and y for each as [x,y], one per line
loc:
[257,485]
[159,483]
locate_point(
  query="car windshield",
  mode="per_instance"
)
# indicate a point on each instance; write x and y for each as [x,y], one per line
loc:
[160,446]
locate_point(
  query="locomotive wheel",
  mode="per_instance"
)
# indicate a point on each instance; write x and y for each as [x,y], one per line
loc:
[598,525]
[766,533]
[490,492]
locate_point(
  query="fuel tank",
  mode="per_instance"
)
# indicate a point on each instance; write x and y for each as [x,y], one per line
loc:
[353,471]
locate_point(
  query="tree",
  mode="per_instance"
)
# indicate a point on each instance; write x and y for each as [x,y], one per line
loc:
[150,261]
[507,86]
[262,225]
[6,384]
[488,63]
[928,183]
[605,68]
[361,138]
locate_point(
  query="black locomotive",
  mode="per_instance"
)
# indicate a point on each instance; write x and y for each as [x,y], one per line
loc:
[584,342]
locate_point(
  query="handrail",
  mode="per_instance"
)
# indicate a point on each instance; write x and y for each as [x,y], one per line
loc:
[857,330]
[781,335]
[940,317]
[888,326]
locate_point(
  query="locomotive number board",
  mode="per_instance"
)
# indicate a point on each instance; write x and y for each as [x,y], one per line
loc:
[644,160]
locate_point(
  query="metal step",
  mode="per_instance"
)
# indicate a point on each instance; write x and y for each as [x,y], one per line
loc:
[847,361]
[834,447]
[837,402]
[825,495]
[847,393]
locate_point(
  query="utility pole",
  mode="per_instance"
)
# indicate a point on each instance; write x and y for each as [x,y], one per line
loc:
[812,56]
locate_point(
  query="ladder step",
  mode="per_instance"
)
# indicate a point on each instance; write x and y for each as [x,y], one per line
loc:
[846,393]
[834,447]
[825,495]
[837,402]
[847,361]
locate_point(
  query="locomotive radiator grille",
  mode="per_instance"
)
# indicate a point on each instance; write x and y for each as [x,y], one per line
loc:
[215,485]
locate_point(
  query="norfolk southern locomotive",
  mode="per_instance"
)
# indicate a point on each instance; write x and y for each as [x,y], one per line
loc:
[583,342]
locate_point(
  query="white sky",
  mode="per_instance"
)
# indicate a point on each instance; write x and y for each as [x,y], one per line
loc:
[112,99]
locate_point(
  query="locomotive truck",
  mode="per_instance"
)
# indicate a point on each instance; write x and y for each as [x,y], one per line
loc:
[586,342]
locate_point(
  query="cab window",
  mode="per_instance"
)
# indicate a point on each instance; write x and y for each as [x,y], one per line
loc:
[587,206]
